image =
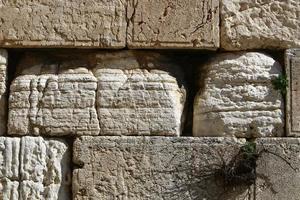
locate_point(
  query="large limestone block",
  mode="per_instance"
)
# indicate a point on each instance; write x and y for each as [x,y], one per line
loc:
[292,63]
[53,99]
[139,94]
[34,168]
[278,169]
[3,98]
[173,24]
[248,24]
[238,98]
[55,23]
[153,168]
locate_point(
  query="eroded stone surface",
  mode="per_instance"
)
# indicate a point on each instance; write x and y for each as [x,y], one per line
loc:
[292,63]
[153,168]
[278,169]
[92,23]
[53,100]
[247,24]
[173,24]
[3,98]
[115,93]
[238,97]
[34,168]
[139,95]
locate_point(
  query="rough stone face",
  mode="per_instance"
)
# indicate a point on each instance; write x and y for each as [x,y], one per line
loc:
[3,98]
[238,97]
[55,23]
[292,60]
[34,168]
[136,94]
[173,24]
[53,100]
[139,95]
[153,168]
[248,24]
[278,169]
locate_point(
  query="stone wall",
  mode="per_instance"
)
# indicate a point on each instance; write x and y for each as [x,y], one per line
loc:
[187,99]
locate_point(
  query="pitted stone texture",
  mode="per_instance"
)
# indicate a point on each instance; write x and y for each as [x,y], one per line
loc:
[152,168]
[34,168]
[173,24]
[278,169]
[53,100]
[238,97]
[292,65]
[248,24]
[55,23]
[138,94]
[3,98]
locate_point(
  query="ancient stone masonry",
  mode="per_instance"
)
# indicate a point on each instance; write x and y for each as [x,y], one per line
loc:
[292,59]
[248,24]
[175,24]
[238,98]
[135,96]
[40,23]
[34,168]
[3,98]
[152,167]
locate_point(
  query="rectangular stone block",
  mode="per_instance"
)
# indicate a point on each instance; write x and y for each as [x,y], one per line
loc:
[155,168]
[112,93]
[292,67]
[3,97]
[173,24]
[277,169]
[91,23]
[266,24]
[34,168]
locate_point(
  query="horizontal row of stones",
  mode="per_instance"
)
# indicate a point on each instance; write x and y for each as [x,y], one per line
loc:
[143,93]
[146,168]
[245,24]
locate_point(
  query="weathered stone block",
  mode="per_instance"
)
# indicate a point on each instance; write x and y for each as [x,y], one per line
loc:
[153,168]
[63,23]
[115,93]
[3,98]
[238,97]
[278,169]
[139,98]
[173,24]
[248,24]
[34,168]
[292,60]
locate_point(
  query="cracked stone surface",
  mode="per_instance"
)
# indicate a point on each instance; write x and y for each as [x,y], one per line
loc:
[152,168]
[292,64]
[238,98]
[278,169]
[248,24]
[34,168]
[116,93]
[173,24]
[56,23]
[3,98]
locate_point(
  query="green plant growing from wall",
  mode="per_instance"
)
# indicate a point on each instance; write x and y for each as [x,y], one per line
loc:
[281,83]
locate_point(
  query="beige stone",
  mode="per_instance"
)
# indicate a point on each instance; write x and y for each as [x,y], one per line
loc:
[278,169]
[3,97]
[238,97]
[115,93]
[173,24]
[153,168]
[34,168]
[248,24]
[55,23]
[292,60]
